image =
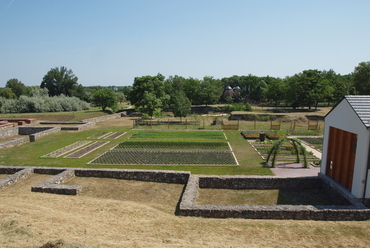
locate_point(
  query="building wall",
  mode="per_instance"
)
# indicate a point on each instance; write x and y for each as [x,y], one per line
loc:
[344,117]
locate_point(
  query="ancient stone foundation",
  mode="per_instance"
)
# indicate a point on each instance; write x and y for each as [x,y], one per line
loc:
[350,208]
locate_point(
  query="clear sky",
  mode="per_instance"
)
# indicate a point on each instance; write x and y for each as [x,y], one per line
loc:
[110,42]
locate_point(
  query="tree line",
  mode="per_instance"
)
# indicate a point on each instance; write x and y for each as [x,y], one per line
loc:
[151,94]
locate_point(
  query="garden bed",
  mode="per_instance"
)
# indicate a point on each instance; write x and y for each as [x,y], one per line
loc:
[115,135]
[82,152]
[66,149]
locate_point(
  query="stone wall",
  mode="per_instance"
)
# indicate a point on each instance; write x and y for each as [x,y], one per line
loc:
[351,210]
[162,176]
[103,118]
[13,142]
[35,136]
[8,132]
[19,174]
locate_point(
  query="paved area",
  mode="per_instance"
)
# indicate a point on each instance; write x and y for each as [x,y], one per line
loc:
[288,169]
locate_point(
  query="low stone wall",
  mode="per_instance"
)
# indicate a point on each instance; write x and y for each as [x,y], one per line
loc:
[52,185]
[12,143]
[256,182]
[80,127]
[103,118]
[188,207]
[19,174]
[163,176]
[35,136]
[8,132]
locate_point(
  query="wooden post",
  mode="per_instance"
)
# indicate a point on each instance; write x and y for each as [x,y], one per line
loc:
[150,123]
[254,124]
[203,124]
[186,123]
[238,124]
[168,123]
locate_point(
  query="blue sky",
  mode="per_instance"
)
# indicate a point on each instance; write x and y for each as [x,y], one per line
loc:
[110,42]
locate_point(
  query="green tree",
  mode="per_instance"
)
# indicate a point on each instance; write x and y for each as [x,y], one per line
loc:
[148,93]
[7,93]
[192,88]
[361,78]
[211,90]
[181,105]
[59,80]
[105,98]
[18,88]
[275,90]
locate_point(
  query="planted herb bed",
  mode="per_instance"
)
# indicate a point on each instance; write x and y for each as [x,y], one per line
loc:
[82,152]
[66,149]
[157,157]
[172,145]
[178,135]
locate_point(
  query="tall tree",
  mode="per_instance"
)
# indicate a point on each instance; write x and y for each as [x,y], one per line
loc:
[18,88]
[59,80]
[361,78]
[181,105]
[148,93]
[211,90]
[105,98]
[7,93]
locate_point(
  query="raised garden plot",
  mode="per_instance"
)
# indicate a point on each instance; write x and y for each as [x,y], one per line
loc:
[162,157]
[99,135]
[172,145]
[66,149]
[256,134]
[115,135]
[178,135]
[82,152]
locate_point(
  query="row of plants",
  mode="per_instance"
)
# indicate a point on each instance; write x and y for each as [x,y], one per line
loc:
[178,135]
[66,149]
[83,151]
[173,145]
[314,142]
[156,157]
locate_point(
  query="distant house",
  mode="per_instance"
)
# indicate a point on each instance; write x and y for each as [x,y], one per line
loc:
[346,156]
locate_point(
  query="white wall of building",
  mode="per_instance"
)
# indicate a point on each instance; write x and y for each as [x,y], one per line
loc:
[345,118]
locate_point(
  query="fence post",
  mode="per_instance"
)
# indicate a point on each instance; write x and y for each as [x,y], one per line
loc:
[150,123]
[186,123]
[238,125]
[168,123]
[255,124]
[203,124]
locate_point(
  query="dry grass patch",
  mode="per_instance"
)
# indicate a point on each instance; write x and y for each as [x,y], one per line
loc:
[163,196]
[30,220]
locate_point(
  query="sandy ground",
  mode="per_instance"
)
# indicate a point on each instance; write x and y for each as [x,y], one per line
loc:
[120,213]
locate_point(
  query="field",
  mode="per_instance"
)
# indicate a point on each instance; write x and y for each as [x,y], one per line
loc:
[119,213]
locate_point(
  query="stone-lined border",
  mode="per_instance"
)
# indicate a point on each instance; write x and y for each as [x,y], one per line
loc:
[16,175]
[13,142]
[52,185]
[188,207]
